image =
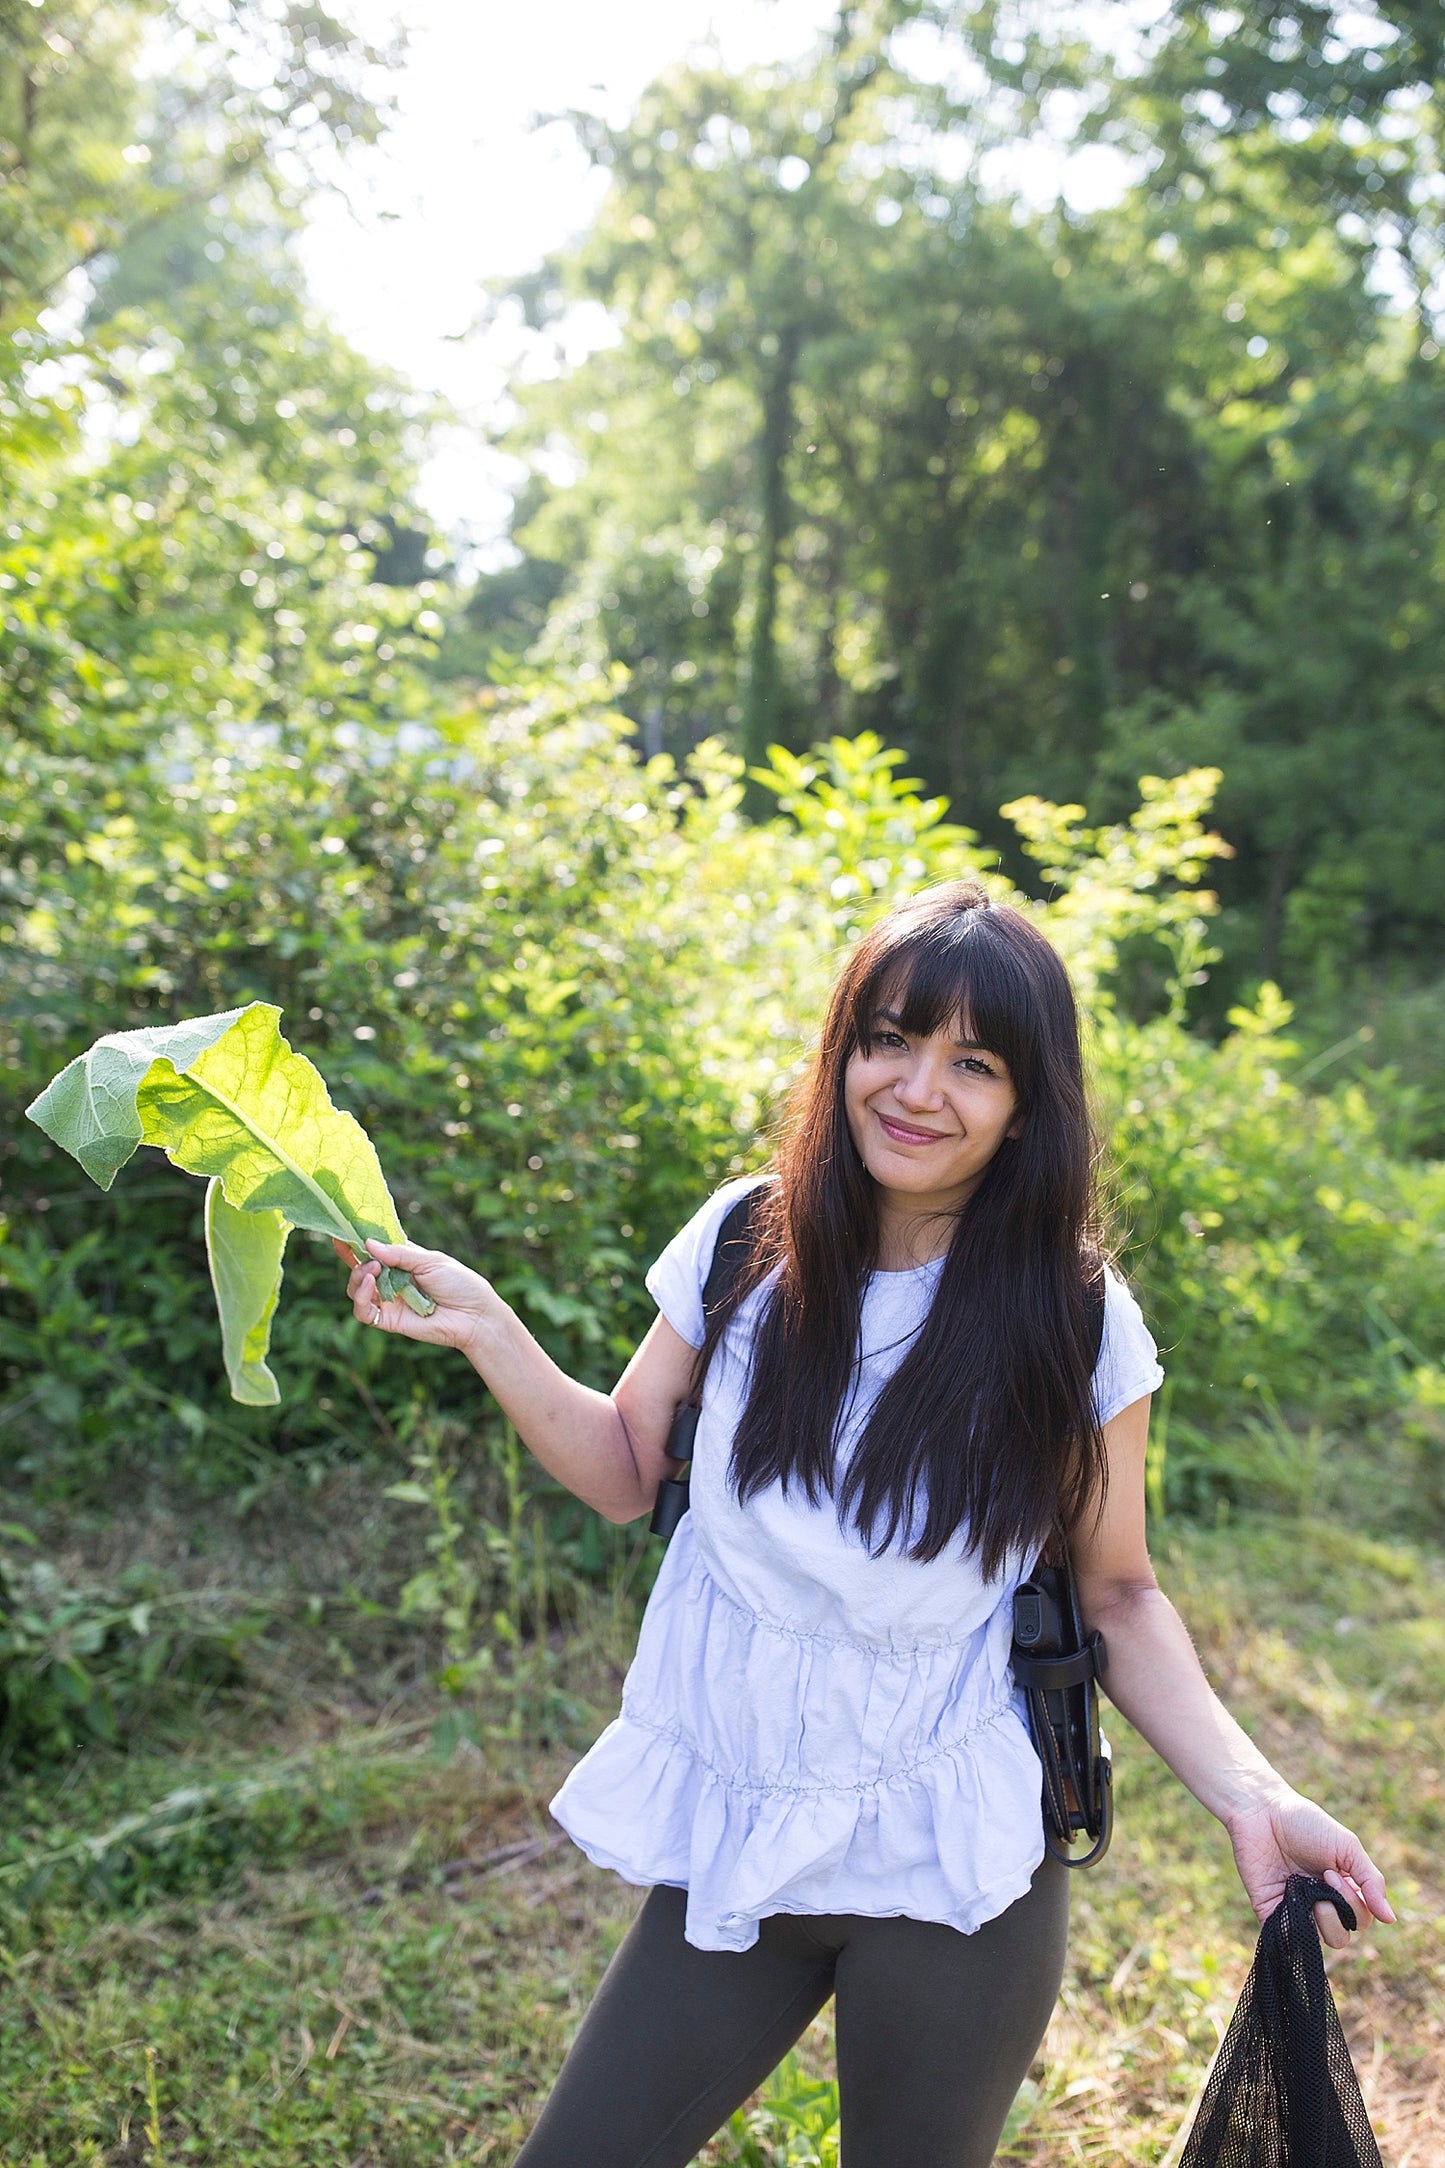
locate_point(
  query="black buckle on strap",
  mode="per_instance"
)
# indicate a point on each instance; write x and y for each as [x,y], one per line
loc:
[1050,1672]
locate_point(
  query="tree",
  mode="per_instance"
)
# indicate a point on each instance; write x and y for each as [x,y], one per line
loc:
[740,214]
[1044,498]
[93,149]
[1296,162]
[238,559]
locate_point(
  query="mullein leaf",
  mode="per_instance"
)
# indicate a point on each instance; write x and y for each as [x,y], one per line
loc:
[225,1096]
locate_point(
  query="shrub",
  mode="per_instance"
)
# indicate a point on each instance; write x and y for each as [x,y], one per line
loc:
[1290,1266]
[559,990]
[563,990]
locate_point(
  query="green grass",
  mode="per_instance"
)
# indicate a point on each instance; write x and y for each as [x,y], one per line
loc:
[378,1961]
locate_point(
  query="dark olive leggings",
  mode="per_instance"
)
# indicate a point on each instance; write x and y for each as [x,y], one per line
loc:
[936,2031]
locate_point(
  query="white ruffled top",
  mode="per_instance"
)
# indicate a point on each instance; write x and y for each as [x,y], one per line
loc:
[806,1728]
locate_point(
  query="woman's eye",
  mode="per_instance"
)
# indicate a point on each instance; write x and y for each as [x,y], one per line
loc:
[977,1065]
[890,1040]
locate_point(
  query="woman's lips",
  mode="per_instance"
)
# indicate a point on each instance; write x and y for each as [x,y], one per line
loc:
[902,1134]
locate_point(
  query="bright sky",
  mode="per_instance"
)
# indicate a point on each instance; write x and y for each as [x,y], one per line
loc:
[465,189]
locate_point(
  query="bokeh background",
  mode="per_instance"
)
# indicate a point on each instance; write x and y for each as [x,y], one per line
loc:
[518,536]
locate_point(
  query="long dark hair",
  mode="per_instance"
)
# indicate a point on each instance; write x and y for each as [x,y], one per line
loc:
[987,1426]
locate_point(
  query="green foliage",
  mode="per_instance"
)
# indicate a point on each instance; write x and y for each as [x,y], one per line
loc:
[493,1581]
[910,450]
[1128,883]
[794,2125]
[584,985]
[1285,1258]
[1051,502]
[197,1837]
[75,1662]
[98,148]
[377,1955]
[513,941]
[245,1250]
[189,1840]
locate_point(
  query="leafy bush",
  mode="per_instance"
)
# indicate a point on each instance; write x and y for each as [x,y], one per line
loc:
[559,990]
[1287,1261]
[562,991]
[75,1662]
[1288,1257]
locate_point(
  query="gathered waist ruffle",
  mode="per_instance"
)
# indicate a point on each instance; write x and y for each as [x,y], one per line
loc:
[779,1708]
[740,1780]
[766,1769]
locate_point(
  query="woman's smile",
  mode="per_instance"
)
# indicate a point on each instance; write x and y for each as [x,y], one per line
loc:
[907,1133]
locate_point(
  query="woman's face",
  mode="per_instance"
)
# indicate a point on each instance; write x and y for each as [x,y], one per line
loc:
[928,1114]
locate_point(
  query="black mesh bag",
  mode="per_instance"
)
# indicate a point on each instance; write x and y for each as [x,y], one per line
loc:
[1283,2091]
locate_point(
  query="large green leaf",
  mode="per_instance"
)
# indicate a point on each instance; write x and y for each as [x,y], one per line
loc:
[245,1250]
[224,1096]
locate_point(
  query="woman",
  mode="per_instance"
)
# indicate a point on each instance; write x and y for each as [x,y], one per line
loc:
[820,1766]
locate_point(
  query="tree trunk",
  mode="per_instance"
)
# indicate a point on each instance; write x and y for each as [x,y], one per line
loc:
[762,693]
[1281,880]
[1090,687]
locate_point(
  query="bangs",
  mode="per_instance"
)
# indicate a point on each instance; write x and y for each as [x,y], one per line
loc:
[955,974]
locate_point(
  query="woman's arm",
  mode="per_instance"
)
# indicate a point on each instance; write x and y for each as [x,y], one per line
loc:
[1156,1679]
[607,1448]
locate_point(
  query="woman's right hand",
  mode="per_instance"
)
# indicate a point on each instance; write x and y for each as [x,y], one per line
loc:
[607,1449]
[465,1302]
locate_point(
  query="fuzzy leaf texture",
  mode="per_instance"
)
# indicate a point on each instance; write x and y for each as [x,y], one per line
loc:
[225,1097]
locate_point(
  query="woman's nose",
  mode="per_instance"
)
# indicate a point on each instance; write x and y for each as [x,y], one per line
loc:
[920,1086]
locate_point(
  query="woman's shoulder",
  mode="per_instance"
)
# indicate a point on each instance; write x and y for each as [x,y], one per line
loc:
[1128,1366]
[675,1281]
[1119,1296]
[701,1230]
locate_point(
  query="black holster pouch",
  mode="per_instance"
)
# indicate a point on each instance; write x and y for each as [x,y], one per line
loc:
[1057,1666]
[672,1499]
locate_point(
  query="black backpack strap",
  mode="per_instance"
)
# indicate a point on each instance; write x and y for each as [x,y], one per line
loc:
[1058,1665]
[731,1252]
[1094,1297]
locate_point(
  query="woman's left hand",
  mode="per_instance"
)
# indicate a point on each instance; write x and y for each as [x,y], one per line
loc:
[1291,1835]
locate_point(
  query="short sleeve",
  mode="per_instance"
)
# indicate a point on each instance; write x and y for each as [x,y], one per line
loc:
[1128,1365]
[675,1282]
